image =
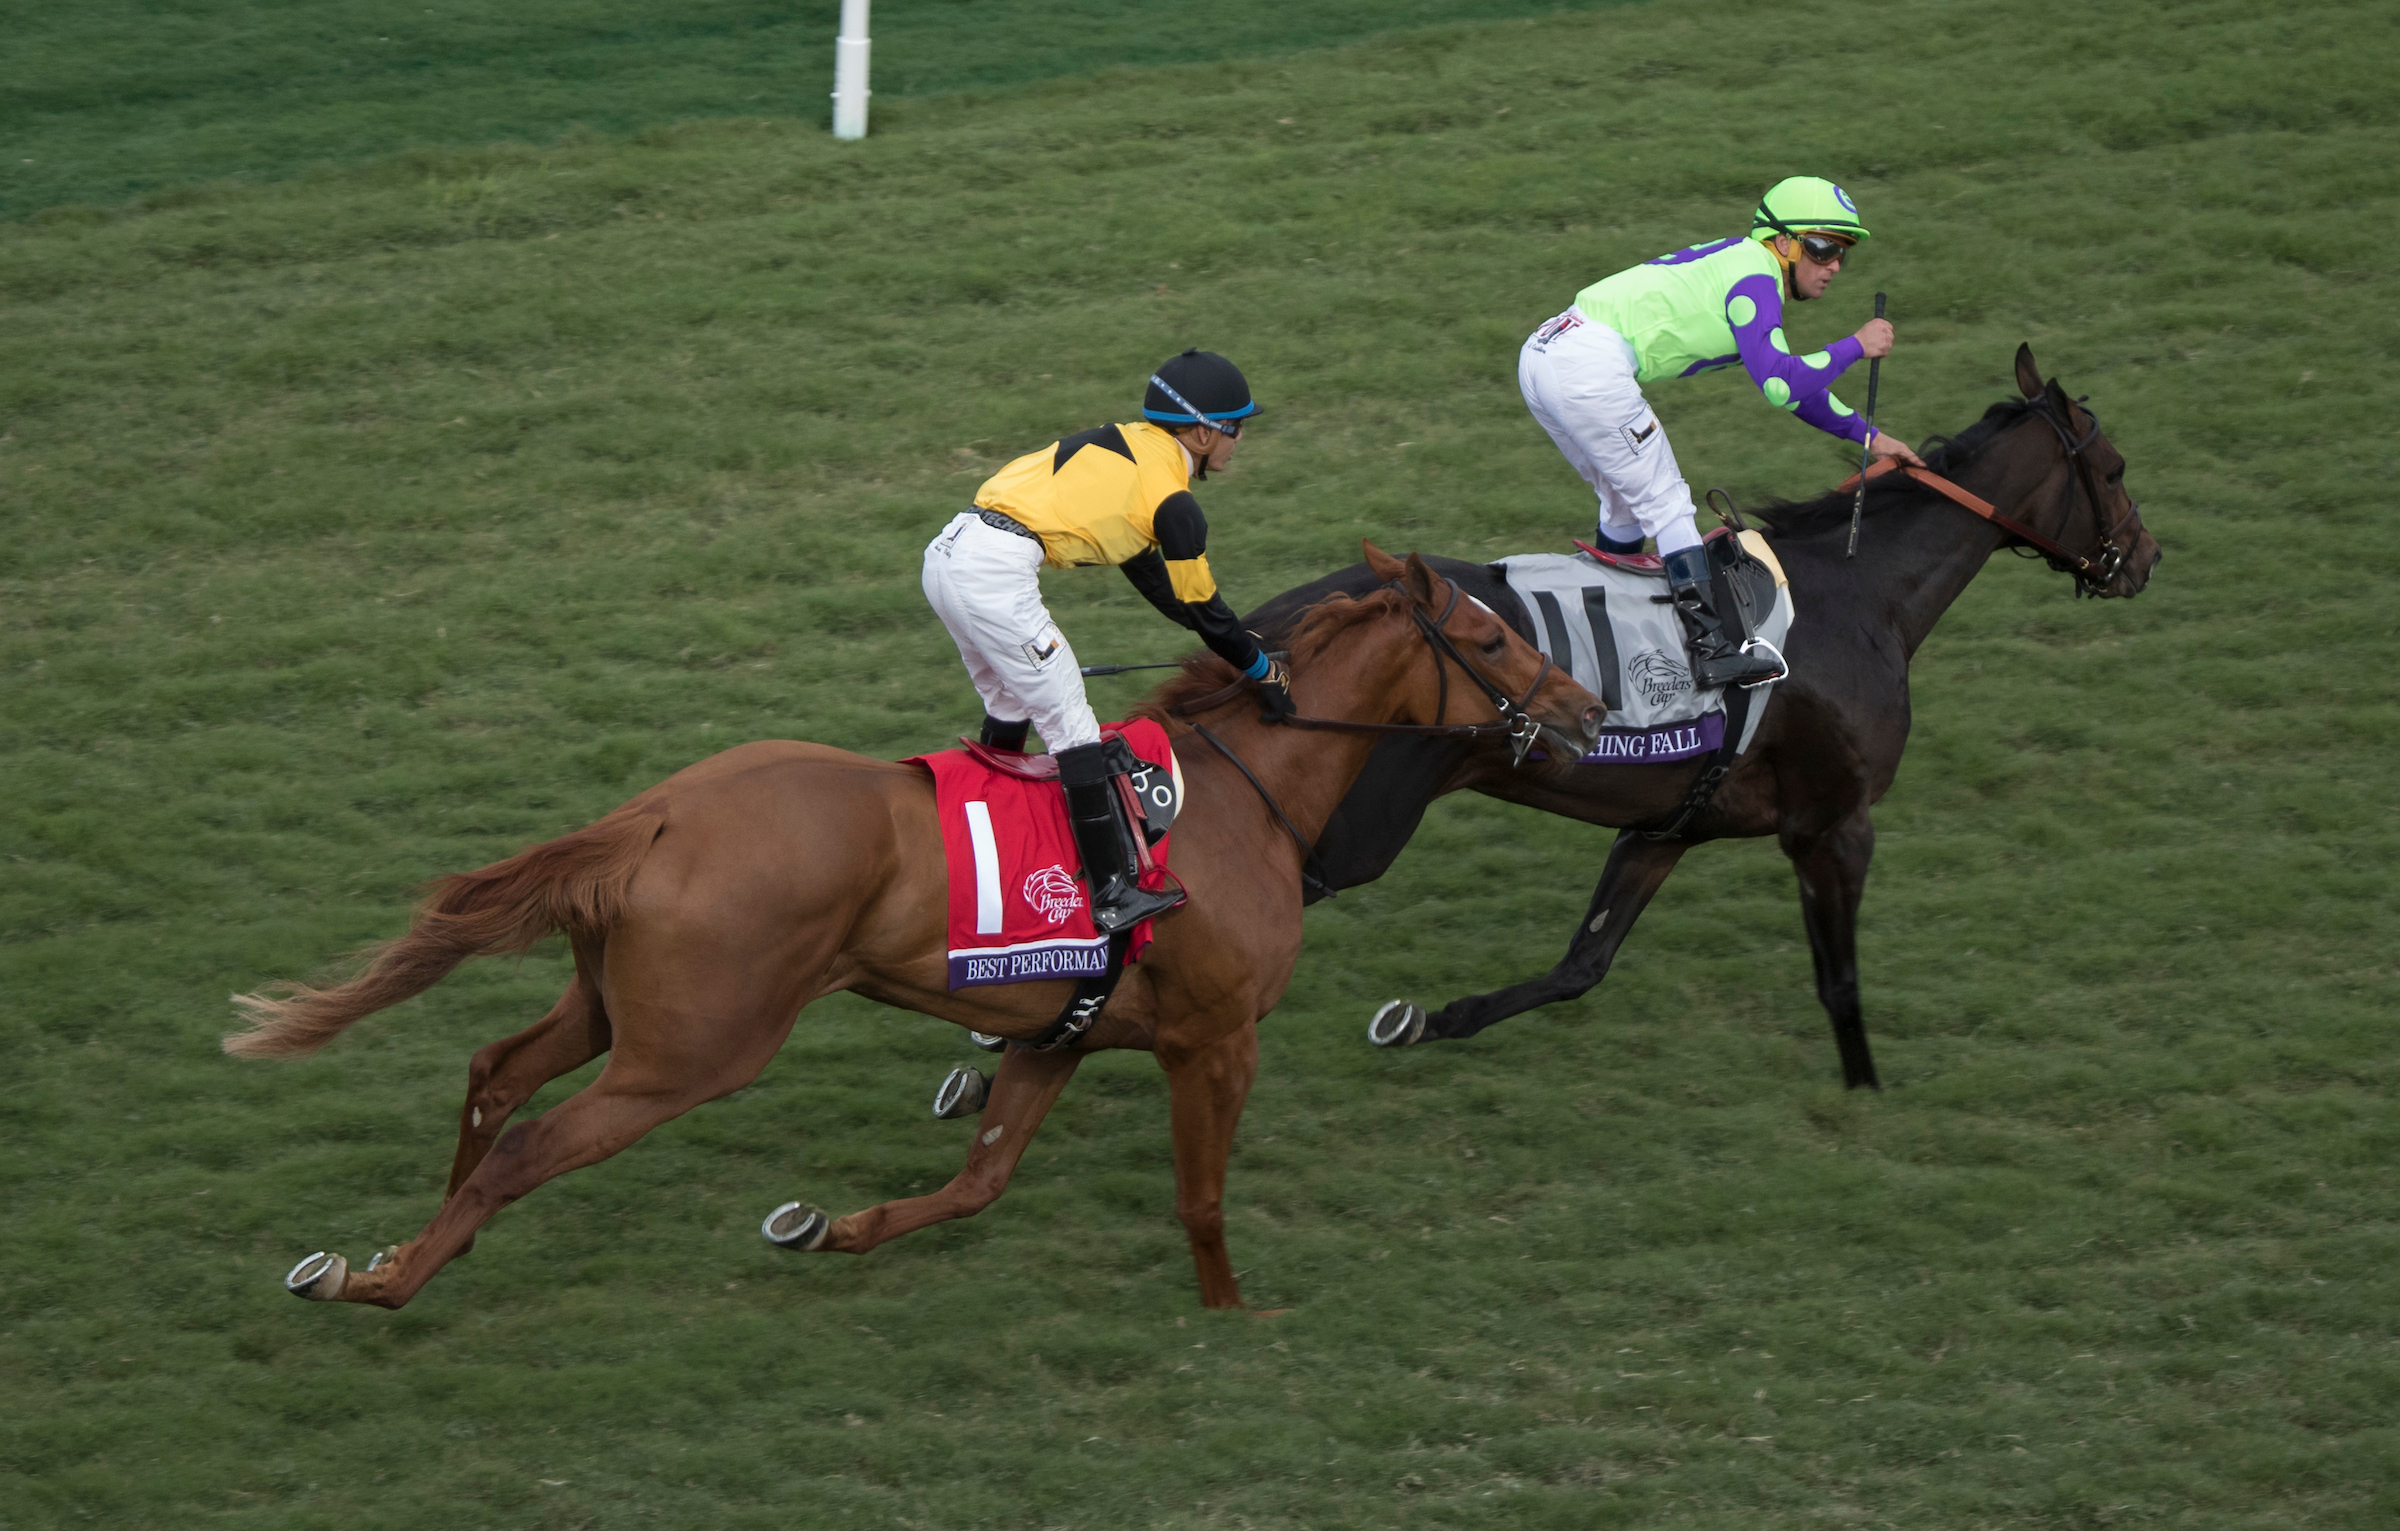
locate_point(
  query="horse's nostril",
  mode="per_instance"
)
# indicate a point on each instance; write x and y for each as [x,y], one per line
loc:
[1592,717]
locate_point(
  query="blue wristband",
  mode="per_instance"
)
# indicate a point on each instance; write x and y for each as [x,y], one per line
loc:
[1258,667]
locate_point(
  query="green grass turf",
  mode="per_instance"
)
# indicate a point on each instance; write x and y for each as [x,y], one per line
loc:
[374,525]
[108,99]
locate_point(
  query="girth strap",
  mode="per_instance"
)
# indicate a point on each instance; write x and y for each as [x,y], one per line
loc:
[1738,702]
[1085,1004]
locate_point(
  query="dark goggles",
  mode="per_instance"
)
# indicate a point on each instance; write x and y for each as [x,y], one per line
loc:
[1824,249]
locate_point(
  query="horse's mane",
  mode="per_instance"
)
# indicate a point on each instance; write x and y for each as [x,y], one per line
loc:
[1947,454]
[1311,635]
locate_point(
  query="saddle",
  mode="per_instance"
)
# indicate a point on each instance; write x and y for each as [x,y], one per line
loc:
[1157,795]
[1745,569]
[1011,762]
[1016,912]
[1609,621]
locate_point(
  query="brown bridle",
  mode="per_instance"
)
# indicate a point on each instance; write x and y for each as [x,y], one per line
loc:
[2094,570]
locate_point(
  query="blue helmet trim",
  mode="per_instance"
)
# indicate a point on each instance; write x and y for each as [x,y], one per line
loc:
[1164,418]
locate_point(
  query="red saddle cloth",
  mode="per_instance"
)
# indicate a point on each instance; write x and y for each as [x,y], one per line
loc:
[1017,912]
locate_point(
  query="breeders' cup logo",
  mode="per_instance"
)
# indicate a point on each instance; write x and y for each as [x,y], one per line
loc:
[1053,893]
[1660,678]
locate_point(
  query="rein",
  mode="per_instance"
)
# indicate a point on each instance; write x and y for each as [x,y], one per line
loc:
[1514,722]
[1312,877]
[2092,571]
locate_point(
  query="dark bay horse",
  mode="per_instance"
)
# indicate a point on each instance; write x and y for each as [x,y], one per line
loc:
[1830,741]
[706,913]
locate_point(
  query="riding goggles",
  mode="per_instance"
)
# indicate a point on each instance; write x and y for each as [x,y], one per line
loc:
[1231,429]
[1822,248]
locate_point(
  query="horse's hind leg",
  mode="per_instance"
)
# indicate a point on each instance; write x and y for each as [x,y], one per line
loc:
[1024,1088]
[659,1069]
[1833,876]
[505,1075]
[603,1118]
[1636,869]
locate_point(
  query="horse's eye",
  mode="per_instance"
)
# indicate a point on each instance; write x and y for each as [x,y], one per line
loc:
[1497,645]
[2116,475]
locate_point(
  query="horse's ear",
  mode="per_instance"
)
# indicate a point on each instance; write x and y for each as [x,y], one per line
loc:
[1386,567]
[1421,581]
[2029,376]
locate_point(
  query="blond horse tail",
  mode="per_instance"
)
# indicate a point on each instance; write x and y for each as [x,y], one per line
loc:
[576,883]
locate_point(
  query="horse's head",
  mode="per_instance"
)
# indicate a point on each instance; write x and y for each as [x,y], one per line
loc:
[2070,479]
[1517,684]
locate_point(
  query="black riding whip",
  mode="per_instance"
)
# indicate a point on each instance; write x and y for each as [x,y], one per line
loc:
[1172,664]
[1858,506]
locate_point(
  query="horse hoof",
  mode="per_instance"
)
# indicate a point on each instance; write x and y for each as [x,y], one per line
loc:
[796,1225]
[962,1094]
[1400,1023]
[383,1257]
[988,1042]
[318,1278]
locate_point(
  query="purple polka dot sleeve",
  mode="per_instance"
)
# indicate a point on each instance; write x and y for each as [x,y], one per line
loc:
[1801,384]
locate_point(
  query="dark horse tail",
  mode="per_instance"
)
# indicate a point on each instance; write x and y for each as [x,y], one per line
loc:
[575,883]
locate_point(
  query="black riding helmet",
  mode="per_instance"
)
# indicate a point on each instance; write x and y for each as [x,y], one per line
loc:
[1197,388]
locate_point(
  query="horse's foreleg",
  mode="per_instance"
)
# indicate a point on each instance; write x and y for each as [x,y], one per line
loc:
[1833,876]
[1023,1089]
[505,1075]
[1208,1086]
[1635,870]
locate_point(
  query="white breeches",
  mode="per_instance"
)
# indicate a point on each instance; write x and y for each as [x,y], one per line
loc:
[985,585]
[1578,379]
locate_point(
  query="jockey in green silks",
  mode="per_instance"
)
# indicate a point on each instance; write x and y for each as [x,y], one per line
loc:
[1695,311]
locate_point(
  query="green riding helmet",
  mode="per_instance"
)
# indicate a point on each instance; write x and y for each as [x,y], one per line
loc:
[1806,204]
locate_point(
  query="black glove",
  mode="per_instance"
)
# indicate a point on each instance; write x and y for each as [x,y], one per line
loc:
[1275,691]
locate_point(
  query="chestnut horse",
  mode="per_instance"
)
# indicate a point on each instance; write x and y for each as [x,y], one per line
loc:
[706,913]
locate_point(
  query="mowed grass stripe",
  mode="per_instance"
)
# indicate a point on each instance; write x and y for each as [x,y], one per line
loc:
[556,515]
[115,99]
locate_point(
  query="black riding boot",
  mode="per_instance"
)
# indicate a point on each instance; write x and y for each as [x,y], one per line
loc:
[1716,646]
[1105,840]
[1607,544]
[1002,735]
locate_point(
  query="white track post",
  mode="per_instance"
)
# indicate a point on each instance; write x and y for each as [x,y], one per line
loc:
[850,72]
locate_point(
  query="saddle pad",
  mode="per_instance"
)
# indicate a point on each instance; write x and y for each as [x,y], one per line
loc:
[1603,622]
[1017,913]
